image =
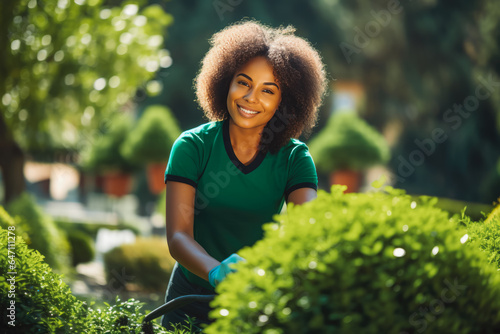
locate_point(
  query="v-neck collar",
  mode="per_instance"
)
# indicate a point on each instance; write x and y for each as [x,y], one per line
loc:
[232,156]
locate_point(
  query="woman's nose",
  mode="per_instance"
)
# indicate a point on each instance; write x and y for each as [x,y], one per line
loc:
[251,96]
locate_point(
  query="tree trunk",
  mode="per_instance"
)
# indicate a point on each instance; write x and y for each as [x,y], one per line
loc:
[11,155]
[11,163]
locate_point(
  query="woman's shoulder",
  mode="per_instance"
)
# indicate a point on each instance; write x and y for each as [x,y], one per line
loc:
[293,150]
[204,132]
[294,145]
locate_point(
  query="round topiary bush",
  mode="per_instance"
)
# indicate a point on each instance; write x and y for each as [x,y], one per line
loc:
[348,142]
[147,262]
[105,155]
[153,137]
[82,247]
[361,263]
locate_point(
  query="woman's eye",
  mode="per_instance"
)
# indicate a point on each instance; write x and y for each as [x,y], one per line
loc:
[268,91]
[244,83]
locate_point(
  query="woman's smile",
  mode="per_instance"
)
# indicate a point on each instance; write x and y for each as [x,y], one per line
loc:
[246,112]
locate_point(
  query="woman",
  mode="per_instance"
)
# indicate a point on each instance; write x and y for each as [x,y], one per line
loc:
[260,87]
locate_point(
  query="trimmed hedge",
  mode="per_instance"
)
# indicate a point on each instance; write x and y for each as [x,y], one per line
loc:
[44,235]
[485,235]
[147,260]
[6,220]
[44,303]
[361,263]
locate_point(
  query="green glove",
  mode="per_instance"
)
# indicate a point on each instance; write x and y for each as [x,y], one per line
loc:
[218,273]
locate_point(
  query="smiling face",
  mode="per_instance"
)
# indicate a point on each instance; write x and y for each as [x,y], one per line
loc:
[254,94]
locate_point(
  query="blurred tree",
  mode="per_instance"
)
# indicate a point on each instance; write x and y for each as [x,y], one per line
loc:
[489,64]
[417,63]
[65,67]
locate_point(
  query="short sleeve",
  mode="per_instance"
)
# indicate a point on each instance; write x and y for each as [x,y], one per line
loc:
[185,159]
[302,171]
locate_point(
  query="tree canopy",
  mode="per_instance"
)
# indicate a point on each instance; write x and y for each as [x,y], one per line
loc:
[68,65]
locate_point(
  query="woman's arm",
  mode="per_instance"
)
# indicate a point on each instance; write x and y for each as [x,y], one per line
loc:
[180,220]
[302,195]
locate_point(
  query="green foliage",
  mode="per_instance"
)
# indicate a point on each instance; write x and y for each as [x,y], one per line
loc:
[348,142]
[153,136]
[147,260]
[160,204]
[43,233]
[43,302]
[475,211]
[494,215]
[91,228]
[6,220]
[82,247]
[486,235]
[105,154]
[67,66]
[126,317]
[123,317]
[360,263]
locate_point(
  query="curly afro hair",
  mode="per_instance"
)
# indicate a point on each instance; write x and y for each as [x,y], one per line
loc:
[297,67]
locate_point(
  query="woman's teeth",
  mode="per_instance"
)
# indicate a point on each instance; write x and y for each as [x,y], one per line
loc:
[248,111]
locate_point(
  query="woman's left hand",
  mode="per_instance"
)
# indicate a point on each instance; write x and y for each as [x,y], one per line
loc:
[218,273]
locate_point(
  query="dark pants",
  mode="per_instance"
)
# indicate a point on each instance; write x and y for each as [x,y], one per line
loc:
[180,286]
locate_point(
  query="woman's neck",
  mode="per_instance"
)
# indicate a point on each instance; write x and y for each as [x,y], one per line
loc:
[245,142]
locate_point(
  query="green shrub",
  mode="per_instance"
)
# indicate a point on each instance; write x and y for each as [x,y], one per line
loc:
[348,142]
[152,138]
[91,228]
[494,215]
[43,302]
[82,247]
[360,263]
[6,220]
[105,154]
[147,260]
[486,235]
[126,317]
[473,210]
[160,204]
[43,233]
[123,317]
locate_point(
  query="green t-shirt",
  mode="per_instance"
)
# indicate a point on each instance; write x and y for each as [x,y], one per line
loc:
[234,200]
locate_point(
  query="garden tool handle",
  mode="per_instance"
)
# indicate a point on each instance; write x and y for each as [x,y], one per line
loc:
[175,304]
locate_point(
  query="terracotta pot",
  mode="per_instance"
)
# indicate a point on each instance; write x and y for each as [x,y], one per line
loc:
[349,178]
[117,184]
[156,173]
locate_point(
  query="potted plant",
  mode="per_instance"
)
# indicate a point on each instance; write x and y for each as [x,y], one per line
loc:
[150,142]
[346,147]
[105,157]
